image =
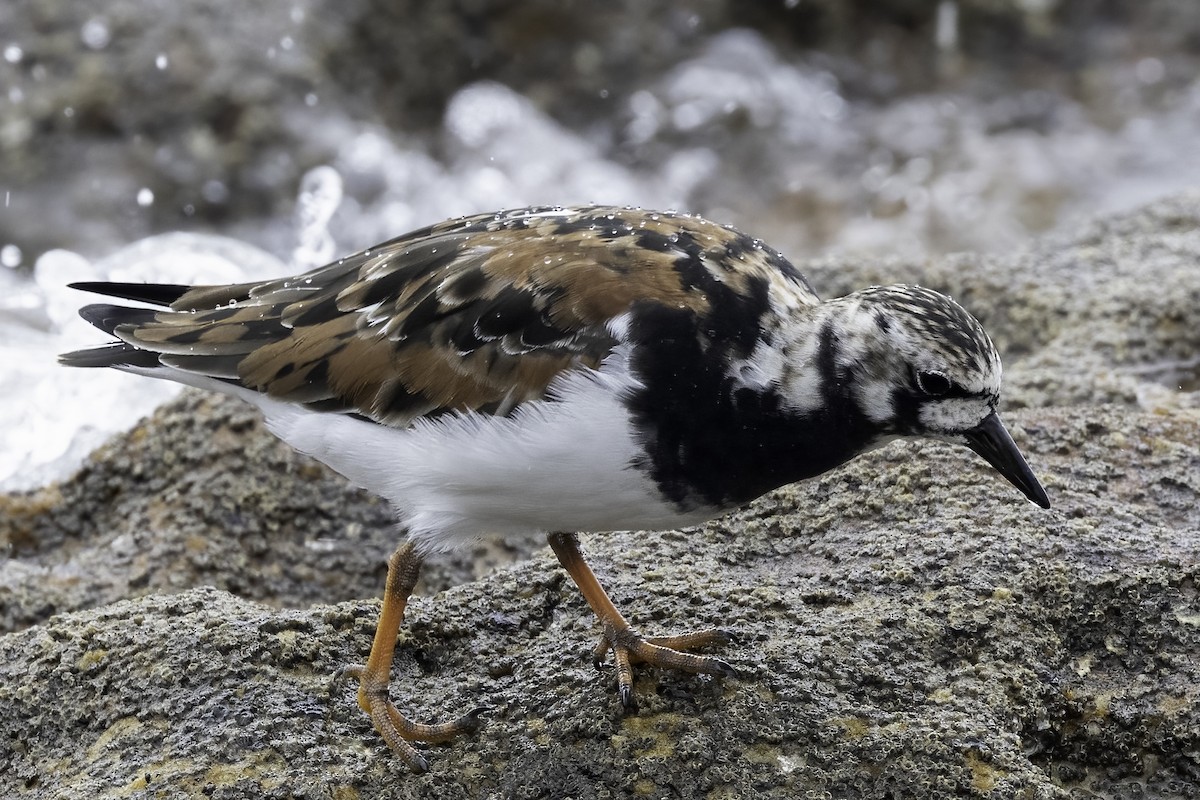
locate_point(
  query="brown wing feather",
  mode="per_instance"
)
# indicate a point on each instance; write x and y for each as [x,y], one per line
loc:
[477,314]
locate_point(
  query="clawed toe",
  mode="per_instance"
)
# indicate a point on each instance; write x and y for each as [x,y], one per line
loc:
[398,730]
[626,645]
[471,721]
[686,641]
[727,669]
[628,648]
[373,696]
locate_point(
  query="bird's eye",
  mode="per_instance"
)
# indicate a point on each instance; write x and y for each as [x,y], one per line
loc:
[934,384]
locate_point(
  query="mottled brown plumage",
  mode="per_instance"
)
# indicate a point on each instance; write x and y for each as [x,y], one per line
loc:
[480,313]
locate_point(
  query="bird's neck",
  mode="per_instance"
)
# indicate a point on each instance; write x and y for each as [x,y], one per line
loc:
[723,437]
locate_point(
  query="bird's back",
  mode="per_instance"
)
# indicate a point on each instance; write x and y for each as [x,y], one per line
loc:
[479,313]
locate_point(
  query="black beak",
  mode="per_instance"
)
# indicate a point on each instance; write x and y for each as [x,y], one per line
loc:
[991,440]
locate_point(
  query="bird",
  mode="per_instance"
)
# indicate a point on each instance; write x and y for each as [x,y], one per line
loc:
[557,371]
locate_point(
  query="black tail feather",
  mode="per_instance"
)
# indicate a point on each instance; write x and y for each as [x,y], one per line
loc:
[160,294]
[107,317]
[113,355]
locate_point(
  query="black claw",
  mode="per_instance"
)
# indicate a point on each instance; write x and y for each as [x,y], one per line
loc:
[339,676]
[470,721]
[417,763]
[728,637]
[727,669]
[628,701]
[599,663]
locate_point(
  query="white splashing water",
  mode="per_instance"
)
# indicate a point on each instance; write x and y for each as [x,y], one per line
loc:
[52,417]
[320,196]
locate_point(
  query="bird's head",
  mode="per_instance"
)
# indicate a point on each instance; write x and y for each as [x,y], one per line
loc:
[917,364]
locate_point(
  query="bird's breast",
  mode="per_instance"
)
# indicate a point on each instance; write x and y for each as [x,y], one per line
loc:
[563,464]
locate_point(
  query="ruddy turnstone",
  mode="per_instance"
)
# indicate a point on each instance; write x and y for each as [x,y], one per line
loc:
[549,371]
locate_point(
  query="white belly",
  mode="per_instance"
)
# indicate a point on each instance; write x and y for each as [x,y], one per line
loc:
[553,466]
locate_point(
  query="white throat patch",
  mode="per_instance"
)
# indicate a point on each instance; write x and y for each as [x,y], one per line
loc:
[954,415]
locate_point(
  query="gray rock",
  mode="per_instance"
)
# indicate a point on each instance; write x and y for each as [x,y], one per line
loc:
[907,625]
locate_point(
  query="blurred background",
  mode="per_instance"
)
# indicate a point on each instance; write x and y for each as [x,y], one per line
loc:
[280,135]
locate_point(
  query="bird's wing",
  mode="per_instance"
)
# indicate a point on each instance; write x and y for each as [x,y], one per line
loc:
[474,314]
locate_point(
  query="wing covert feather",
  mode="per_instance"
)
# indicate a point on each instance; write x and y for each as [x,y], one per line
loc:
[480,313]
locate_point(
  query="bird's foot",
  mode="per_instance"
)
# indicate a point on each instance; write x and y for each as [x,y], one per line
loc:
[398,730]
[629,647]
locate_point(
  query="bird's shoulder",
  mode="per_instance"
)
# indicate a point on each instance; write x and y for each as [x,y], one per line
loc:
[478,313]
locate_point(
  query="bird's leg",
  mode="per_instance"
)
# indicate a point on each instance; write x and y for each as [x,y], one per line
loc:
[626,644]
[397,730]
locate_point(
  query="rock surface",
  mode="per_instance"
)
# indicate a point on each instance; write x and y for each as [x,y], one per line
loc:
[907,626]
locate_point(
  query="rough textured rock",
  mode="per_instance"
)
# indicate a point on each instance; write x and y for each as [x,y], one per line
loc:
[908,626]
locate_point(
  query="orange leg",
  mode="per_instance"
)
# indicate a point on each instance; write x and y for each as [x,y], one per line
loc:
[397,730]
[625,643]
